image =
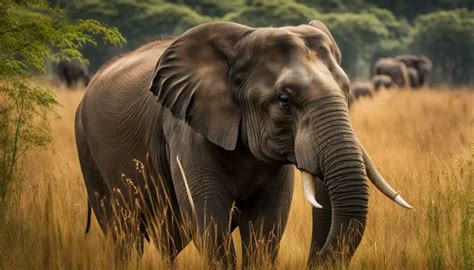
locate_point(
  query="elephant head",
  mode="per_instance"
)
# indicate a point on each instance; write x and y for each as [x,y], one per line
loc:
[421,64]
[281,95]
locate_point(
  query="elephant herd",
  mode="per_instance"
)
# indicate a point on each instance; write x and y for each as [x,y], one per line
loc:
[402,71]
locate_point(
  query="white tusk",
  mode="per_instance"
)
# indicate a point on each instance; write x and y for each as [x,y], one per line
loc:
[308,188]
[402,202]
[188,190]
[379,182]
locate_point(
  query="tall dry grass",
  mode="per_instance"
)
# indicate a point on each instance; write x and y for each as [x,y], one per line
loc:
[421,141]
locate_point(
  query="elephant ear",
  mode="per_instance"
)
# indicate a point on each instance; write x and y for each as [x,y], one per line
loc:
[321,26]
[192,81]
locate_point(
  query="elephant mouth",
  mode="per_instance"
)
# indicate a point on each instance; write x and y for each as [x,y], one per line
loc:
[310,181]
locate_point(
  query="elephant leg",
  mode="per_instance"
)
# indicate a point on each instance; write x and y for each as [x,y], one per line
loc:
[206,203]
[101,199]
[97,190]
[321,222]
[165,225]
[263,218]
[214,225]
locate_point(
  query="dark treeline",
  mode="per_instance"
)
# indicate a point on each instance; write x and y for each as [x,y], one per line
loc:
[364,29]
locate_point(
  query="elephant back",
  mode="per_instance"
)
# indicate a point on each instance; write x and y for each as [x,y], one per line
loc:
[393,68]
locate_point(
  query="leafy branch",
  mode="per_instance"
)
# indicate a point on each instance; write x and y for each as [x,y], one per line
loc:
[33,33]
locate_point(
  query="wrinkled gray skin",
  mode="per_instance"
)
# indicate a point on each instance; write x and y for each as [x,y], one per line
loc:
[239,106]
[421,64]
[393,68]
[382,82]
[362,89]
[71,73]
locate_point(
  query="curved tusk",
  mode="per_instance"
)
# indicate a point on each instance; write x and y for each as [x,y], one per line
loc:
[308,188]
[377,179]
[188,191]
[402,202]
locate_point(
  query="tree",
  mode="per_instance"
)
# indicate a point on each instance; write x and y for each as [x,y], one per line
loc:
[272,13]
[398,39]
[358,36]
[410,9]
[170,19]
[212,8]
[30,33]
[139,22]
[447,37]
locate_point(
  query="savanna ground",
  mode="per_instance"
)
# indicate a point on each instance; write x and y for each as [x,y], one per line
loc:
[423,143]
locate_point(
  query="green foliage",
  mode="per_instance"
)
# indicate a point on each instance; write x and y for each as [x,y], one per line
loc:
[325,5]
[358,36]
[170,19]
[212,8]
[410,9]
[272,13]
[365,29]
[24,111]
[336,5]
[398,38]
[138,21]
[30,33]
[407,9]
[397,29]
[448,38]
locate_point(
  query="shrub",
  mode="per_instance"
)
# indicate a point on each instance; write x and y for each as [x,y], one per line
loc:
[32,32]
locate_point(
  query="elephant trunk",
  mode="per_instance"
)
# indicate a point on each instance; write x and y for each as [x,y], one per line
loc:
[342,189]
[334,174]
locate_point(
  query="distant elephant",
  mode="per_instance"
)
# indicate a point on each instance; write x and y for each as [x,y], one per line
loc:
[72,72]
[393,68]
[382,82]
[421,64]
[414,78]
[362,89]
[220,116]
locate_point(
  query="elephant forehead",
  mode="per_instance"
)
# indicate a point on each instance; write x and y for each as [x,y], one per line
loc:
[272,39]
[290,32]
[280,43]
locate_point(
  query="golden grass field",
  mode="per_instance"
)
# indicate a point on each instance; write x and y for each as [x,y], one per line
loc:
[423,143]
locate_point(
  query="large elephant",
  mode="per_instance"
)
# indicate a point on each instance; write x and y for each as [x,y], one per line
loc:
[72,72]
[221,115]
[421,64]
[395,69]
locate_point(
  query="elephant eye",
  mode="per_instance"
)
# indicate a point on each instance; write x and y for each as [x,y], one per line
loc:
[284,100]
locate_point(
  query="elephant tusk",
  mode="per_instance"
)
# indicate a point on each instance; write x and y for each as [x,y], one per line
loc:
[308,188]
[188,191]
[377,179]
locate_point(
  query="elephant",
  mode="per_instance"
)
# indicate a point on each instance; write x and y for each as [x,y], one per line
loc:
[72,72]
[382,81]
[222,116]
[414,78]
[395,69]
[421,64]
[362,89]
